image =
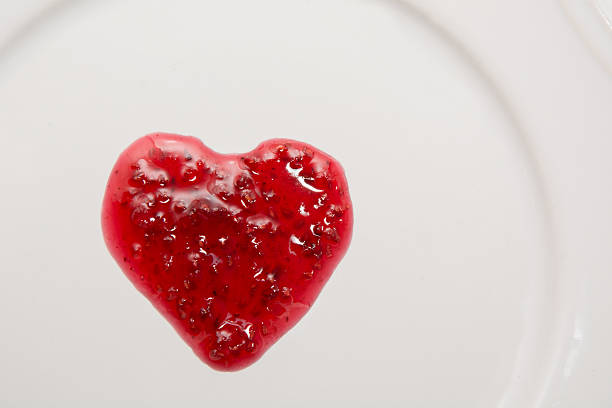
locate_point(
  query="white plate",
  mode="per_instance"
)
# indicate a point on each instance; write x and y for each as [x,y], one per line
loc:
[464,281]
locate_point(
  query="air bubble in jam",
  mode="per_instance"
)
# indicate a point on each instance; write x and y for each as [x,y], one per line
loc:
[231,249]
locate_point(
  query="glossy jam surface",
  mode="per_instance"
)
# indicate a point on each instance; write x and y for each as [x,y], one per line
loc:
[231,249]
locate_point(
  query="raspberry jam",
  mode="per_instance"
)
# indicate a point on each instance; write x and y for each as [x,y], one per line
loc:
[231,249]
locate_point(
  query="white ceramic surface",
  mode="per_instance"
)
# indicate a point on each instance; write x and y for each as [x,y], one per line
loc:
[476,143]
[593,22]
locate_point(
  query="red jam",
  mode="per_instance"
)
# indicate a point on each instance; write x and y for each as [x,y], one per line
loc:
[231,249]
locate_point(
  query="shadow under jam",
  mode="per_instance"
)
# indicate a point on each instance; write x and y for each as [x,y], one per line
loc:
[231,249]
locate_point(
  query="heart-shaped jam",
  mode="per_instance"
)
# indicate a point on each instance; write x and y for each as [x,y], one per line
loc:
[231,249]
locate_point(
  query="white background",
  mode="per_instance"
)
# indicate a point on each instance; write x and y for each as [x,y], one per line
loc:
[476,141]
